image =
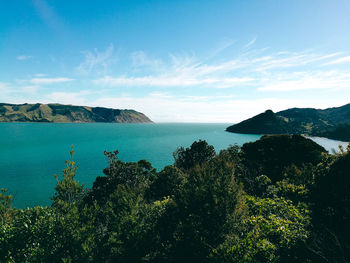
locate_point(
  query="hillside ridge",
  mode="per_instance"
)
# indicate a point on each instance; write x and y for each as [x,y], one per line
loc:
[331,123]
[67,114]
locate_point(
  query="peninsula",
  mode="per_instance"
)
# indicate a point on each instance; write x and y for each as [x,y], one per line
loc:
[67,114]
[333,123]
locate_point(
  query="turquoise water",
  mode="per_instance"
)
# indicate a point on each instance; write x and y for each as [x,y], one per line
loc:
[31,153]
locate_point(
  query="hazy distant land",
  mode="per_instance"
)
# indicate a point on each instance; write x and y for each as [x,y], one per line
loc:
[67,113]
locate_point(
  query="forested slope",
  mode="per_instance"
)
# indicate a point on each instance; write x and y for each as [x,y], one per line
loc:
[331,123]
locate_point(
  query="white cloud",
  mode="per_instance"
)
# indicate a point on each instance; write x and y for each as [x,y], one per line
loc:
[225,44]
[43,81]
[251,42]
[23,57]
[255,80]
[307,81]
[338,61]
[292,59]
[97,60]
[164,108]
[14,94]
[141,59]
[182,71]
[74,98]
[29,89]
[172,81]
[273,71]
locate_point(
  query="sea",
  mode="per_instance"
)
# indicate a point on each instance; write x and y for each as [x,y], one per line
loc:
[32,153]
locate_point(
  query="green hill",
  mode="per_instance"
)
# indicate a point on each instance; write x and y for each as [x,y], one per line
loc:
[67,113]
[340,132]
[331,123]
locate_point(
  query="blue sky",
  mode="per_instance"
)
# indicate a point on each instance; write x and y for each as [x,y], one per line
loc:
[177,61]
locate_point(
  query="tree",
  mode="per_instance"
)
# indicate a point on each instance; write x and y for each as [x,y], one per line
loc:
[67,189]
[273,231]
[198,153]
[136,175]
[330,198]
[208,207]
[165,183]
[272,155]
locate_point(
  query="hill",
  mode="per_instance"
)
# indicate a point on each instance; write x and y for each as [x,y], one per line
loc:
[332,123]
[341,132]
[67,113]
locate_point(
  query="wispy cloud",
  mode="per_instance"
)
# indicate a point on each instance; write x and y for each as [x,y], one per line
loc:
[180,71]
[74,98]
[40,75]
[96,60]
[164,107]
[279,71]
[338,61]
[29,89]
[169,81]
[225,44]
[10,93]
[141,59]
[250,43]
[225,87]
[49,16]
[23,57]
[39,81]
[292,60]
[211,109]
[308,81]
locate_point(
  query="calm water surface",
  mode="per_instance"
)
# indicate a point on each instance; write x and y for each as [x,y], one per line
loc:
[31,153]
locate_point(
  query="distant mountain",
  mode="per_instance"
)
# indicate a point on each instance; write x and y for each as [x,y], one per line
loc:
[67,113]
[332,123]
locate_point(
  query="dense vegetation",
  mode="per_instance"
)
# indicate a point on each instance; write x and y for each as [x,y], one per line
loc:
[280,199]
[340,132]
[333,123]
[67,113]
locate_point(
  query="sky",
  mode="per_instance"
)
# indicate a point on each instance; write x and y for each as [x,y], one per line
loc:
[177,61]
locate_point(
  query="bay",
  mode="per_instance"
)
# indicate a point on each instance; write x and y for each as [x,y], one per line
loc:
[31,153]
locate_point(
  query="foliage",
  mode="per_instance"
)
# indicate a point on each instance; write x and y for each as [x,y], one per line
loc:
[280,199]
[67,189]
[330,197]
[209,206]
[199,152]
[135,175]
[42,234]
[5,205]
[166,183]
[274,155]
[273,228]
[339,132]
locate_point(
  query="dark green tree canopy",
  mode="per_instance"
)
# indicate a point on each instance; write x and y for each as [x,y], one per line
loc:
[271,155]
[197,154]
